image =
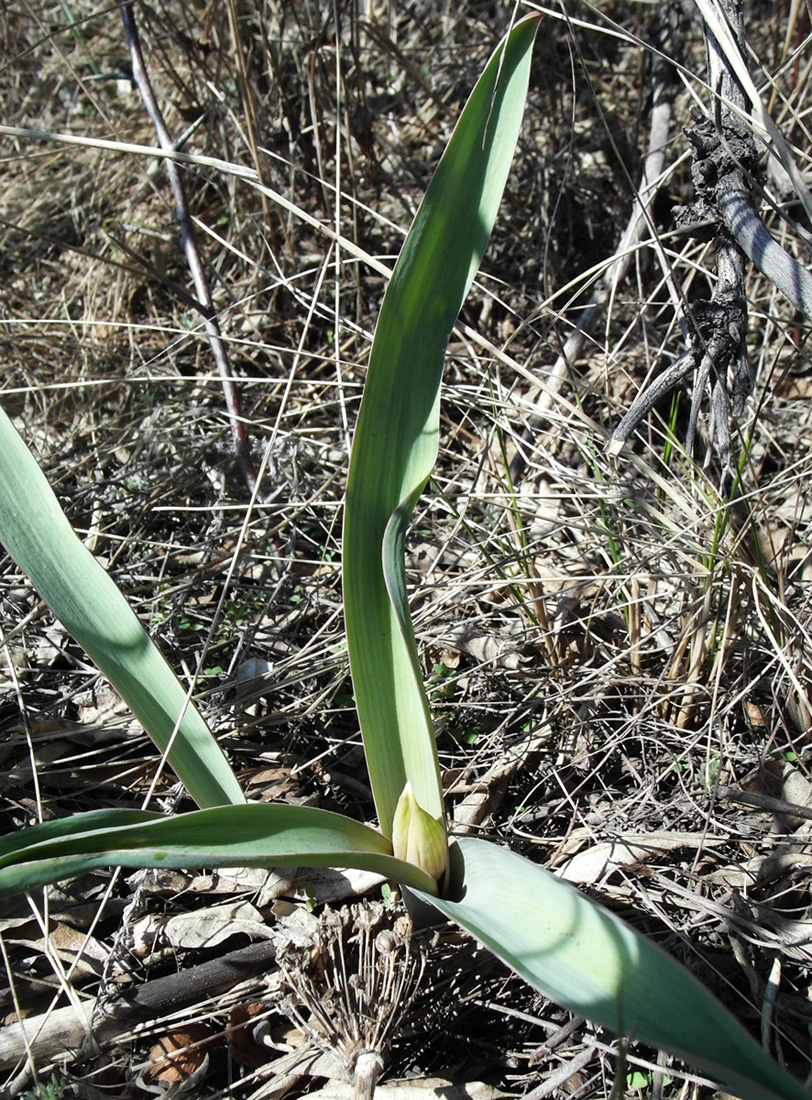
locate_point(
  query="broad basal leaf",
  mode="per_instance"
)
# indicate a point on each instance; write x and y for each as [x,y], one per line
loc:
[256,835]
[586,959]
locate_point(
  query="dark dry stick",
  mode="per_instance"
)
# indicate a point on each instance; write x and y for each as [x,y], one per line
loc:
[750,233]
[725,159]
[725,162]
[66,1029]
[640,223]
[767,804]
[189,245]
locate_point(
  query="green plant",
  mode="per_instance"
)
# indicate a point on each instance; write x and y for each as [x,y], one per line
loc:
[561,942]
[52,1089]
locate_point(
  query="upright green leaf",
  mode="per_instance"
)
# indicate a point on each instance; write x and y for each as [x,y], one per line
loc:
[37,534]
[396,438]
[585,958]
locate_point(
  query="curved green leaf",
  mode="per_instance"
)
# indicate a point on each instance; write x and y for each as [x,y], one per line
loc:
[255,835]
[396,438]
[94,821]
[37,534]
[586,959]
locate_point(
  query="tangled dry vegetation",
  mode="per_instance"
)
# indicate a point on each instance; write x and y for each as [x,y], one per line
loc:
[617,649]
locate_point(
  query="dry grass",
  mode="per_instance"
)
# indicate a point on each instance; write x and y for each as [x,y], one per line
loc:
[617,654]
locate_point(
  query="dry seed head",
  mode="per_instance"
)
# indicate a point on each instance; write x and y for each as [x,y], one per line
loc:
[352,985]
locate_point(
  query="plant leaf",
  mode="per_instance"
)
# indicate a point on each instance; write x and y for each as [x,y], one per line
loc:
[255,835]
[396,438]
[37,534]
[586,959]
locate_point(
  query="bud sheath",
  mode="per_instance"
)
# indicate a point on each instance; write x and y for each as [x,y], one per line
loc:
[417,837]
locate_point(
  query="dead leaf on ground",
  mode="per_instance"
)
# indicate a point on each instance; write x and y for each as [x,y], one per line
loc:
[181,1056]
[202,928]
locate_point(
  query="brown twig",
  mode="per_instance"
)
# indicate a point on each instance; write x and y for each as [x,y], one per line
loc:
[65,1028]
[189,244]
[725,163]
[662,84]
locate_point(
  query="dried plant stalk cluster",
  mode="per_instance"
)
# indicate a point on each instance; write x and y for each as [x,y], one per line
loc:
[352,983]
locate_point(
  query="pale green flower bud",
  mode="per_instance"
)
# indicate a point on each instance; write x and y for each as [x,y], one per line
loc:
[417,837]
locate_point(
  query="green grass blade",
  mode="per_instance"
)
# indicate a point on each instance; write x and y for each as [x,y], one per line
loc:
[255,835]
[585,958]
[396,438]
[37,534]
